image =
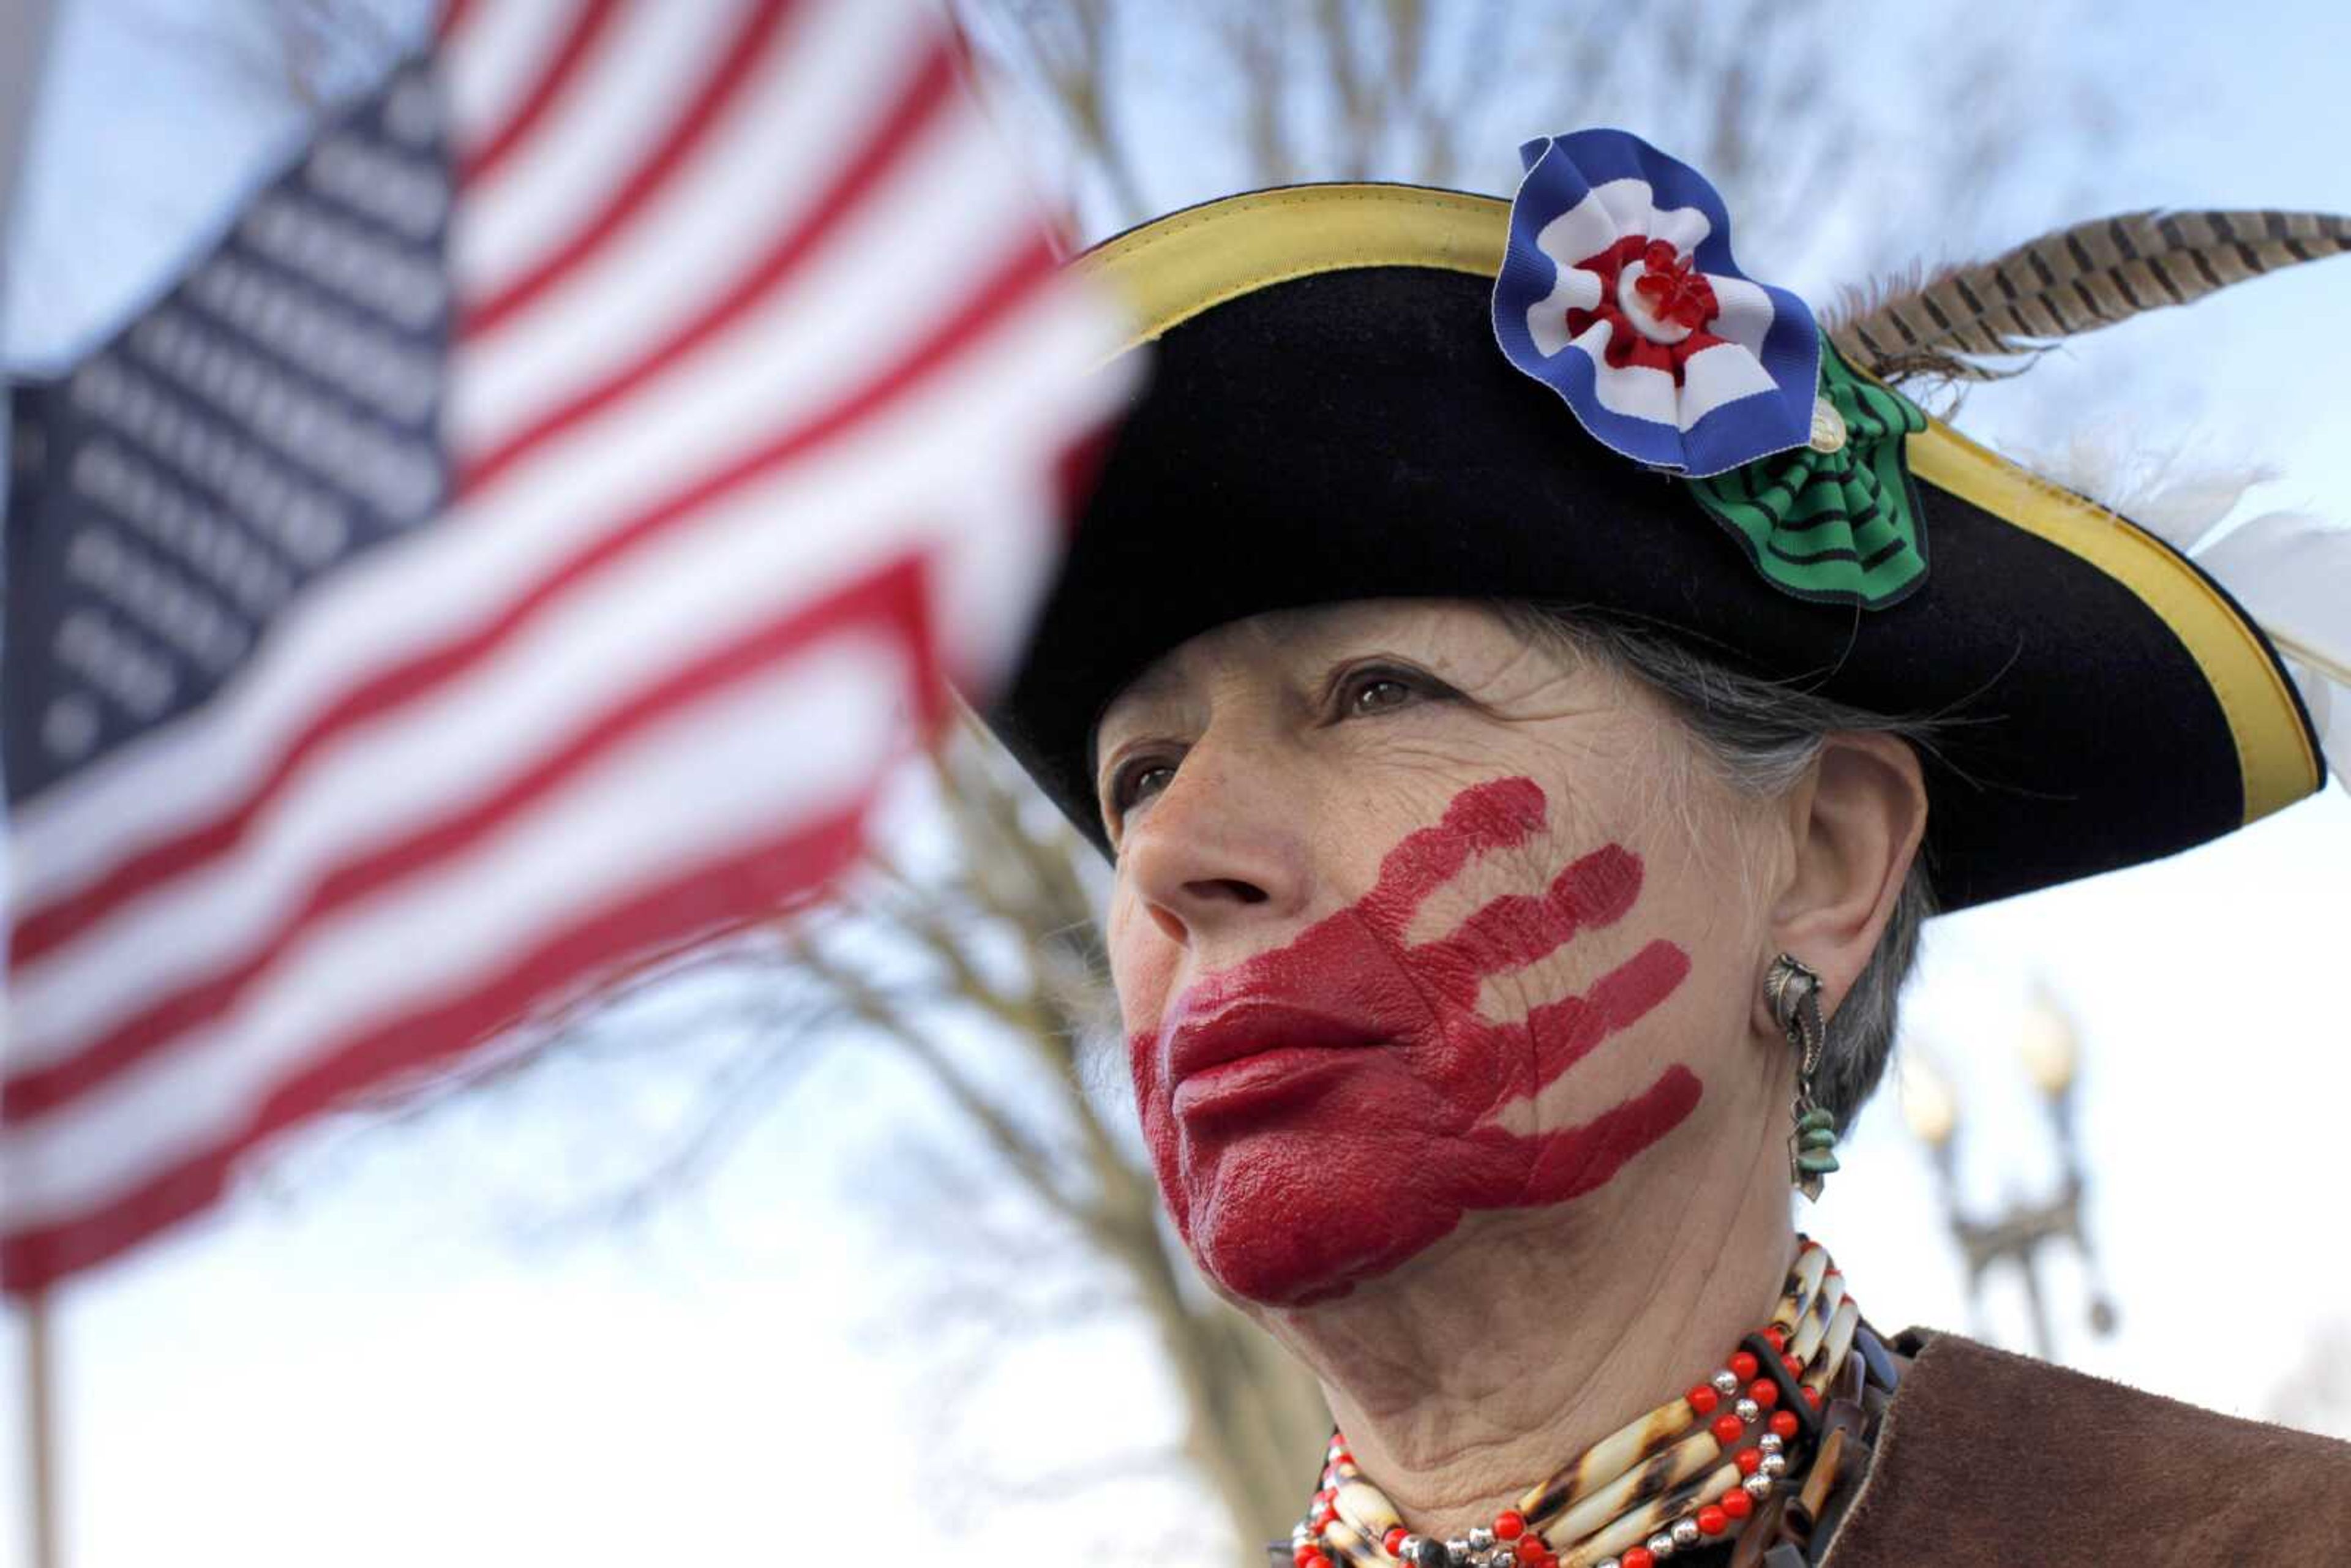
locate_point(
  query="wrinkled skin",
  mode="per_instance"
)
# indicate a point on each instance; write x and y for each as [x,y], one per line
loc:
[1415,923]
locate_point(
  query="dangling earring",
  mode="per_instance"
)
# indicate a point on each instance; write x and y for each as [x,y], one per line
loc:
[1794,991]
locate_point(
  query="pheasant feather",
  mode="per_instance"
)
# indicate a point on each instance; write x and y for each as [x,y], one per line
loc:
[2075,280]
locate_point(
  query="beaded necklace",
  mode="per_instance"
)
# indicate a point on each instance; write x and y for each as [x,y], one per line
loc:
[1687,1474]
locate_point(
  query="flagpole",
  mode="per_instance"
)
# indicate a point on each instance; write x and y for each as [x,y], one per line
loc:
[40,1433]
[25,29]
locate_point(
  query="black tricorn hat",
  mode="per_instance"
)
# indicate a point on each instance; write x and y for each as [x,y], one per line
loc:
[1328,417]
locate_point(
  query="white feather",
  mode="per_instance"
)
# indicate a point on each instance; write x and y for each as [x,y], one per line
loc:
[2164,490]
[2292,573]
[2323,698]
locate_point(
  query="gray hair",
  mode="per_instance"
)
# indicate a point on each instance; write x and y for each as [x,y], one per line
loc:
[1761,736]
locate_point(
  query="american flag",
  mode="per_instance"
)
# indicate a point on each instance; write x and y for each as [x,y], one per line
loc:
[522,543]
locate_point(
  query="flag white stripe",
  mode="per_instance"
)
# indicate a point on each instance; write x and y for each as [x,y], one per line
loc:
[640,77]
[867,300]
[507,44]
[806,738]
[1001,543]
[858,304]
[701,589]
[774,160]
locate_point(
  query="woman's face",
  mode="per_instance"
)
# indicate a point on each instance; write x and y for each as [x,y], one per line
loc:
[1415,918]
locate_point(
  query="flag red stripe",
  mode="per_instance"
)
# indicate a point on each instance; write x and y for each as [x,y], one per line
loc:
[454,14]
[731,76]
[926,95]
[171,1019]
[579,41]
[737,888]
[47,927]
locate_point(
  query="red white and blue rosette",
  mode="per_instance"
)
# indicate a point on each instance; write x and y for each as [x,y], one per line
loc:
[1618,292]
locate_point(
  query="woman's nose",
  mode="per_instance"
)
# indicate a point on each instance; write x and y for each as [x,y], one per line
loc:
[1221,851]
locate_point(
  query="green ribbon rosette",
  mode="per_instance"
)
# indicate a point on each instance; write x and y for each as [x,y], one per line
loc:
[1837,521]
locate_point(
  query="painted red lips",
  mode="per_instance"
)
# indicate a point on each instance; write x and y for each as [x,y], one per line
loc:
[1251,1050]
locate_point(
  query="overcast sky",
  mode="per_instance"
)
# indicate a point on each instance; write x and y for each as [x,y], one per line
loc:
[375,1370]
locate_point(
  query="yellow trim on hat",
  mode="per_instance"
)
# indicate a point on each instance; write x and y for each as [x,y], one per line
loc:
[1170,270]
[1173,269]
[2275,755]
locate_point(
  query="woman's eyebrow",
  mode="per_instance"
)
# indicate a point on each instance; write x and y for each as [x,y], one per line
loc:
[1133,701]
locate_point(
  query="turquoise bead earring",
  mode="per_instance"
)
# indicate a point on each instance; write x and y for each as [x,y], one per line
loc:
[1794,991]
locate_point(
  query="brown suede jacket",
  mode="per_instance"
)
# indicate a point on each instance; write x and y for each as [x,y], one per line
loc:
[1985,1457]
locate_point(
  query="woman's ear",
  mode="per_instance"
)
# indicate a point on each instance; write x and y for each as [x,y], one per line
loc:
[1854,825]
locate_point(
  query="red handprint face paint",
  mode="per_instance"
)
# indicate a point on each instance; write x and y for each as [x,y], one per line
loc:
[1322,1111]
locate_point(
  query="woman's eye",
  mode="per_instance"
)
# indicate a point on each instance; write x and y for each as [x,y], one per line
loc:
[1139,782]
[1374,693]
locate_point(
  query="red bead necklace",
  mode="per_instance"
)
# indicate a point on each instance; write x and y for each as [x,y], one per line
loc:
[1687,1474]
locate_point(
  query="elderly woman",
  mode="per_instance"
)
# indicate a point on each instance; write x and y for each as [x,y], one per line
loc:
[1533,685]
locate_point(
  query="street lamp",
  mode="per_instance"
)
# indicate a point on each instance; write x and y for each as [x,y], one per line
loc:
[2020,1232]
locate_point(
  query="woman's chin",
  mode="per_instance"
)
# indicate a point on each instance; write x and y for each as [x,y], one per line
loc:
[1275,1220]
